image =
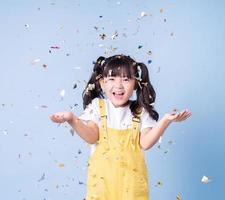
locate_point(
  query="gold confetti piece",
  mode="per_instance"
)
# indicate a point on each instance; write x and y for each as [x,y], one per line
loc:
[61,165]
[205,180]
[178,197]
[161,10]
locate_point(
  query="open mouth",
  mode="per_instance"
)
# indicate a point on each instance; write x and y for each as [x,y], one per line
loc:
[118,94]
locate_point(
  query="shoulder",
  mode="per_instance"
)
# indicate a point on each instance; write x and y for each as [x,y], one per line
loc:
[94,103]
[146,118]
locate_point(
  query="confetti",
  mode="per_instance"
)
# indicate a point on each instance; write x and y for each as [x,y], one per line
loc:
[170,142]
[62,93]
[205,179]
[27,25]
[102,36]
[149,52]
[158,70]
[75,86]
[149,61]
[159,184]
[178,197]
[61,165]
[44,106]
[72,132]
[42,177]
[55,47]
[114,35]
[160,139]
[140,46]
[144,14]
[80,183]
[5,132]
[35,61]
[44,65]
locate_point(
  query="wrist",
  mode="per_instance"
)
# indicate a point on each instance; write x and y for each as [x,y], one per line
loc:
[166,121]
[72,119]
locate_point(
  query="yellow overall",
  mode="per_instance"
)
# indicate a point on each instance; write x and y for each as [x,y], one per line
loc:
[117,169]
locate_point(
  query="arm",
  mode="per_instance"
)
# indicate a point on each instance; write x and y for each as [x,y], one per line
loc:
[149,136]
[89,132]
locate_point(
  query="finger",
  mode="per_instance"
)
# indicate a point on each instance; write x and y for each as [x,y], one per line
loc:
[185,116]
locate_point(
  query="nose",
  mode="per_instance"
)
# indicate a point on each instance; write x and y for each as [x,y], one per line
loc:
[118,83]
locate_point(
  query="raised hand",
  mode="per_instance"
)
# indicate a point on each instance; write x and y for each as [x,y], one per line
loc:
[177,116]
[61,117]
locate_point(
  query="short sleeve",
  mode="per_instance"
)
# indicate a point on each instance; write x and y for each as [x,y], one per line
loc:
[91,112]
[146,120]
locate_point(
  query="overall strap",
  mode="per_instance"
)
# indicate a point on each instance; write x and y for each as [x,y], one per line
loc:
[135,130]
[103,123]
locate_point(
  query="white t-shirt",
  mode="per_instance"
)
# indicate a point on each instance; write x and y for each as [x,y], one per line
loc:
[117,118]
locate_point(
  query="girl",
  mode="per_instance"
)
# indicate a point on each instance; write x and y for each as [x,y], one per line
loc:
[119,128]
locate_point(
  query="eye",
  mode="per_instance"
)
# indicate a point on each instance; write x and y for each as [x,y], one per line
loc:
[111,78]
[126,79]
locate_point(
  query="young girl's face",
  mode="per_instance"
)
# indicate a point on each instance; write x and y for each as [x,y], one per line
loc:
[118,89]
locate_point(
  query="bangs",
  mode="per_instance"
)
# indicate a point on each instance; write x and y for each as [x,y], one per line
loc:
[119,67]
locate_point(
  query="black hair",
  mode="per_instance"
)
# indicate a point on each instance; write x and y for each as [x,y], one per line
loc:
[128,67]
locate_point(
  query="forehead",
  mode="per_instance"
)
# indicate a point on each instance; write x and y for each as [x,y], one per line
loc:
[120,71]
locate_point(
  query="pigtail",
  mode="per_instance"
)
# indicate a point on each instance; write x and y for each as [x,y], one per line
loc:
[93,87]
[145,92]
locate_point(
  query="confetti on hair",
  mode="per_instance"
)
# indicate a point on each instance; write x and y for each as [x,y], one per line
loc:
[139,73]
[90,87]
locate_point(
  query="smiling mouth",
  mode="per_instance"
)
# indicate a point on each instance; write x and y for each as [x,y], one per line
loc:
[118,94]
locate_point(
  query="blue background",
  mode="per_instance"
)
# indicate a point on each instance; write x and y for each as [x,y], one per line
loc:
[41,160]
